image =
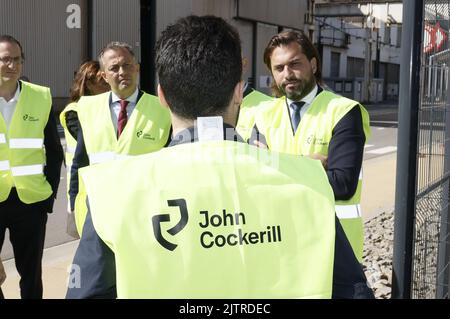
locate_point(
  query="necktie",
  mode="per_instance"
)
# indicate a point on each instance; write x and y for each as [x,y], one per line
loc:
[297,106]
[122,117]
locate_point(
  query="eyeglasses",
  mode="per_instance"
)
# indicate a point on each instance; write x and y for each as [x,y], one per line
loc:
[8,60]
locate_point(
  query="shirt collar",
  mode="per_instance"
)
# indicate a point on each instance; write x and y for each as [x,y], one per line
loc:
[15,98]
[308,99]
[190,135]
[132,98]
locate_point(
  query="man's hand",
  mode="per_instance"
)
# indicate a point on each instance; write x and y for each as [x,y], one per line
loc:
[323,159]
[260,144]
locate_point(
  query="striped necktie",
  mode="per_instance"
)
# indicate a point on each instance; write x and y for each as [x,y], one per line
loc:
[123,118]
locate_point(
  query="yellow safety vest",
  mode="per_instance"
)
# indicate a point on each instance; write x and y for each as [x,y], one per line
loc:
[215,220]
[22,155]
[147,130]
[313,136]
[71,144]
[247,112]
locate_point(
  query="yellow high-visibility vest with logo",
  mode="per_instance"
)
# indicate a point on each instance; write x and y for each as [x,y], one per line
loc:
[146,131]
[71,143]
[313,136]
[247,111]
[22,154]
[215,220]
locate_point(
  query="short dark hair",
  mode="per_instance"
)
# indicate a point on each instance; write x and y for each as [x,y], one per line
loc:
[286,38]
[199,64]
[11,39]
[114,45]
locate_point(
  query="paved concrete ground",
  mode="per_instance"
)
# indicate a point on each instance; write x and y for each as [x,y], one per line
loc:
[55,264]
[378,192]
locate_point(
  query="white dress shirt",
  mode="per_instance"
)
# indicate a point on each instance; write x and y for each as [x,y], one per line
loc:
[308,101]
[7,107]
[115,106]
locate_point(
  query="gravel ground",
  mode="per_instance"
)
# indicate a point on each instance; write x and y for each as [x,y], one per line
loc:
[377,257]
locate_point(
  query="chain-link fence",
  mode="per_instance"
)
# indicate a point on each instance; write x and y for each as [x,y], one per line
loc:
[433,157]
[427,238]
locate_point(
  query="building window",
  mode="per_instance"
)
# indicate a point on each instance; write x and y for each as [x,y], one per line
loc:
[335,64]
[355,67]
[399,36]
[387,35]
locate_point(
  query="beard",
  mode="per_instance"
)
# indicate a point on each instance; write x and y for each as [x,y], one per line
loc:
[296,89]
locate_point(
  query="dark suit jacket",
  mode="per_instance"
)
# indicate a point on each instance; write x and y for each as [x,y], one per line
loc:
[54,158]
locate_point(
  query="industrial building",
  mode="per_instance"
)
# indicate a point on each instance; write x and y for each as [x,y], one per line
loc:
[359,41]
[58,35]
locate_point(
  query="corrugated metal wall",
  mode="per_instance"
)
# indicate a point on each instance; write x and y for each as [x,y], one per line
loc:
[246,33]
[55,51]
[226,9]
[116,20]
[287,13]
[52,50]
[263,75]
[168,11]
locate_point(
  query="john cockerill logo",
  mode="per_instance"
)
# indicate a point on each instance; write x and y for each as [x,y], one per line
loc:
[30,118]
[158,219]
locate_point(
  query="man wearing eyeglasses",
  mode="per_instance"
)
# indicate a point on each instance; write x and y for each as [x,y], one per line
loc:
[30,165]
[124,121]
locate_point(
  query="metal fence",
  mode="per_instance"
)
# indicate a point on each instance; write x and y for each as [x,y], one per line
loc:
[422,239]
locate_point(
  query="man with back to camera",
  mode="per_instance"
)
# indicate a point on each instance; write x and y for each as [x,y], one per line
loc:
[166,213]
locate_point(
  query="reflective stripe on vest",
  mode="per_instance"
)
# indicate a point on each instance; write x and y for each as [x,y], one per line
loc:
[22,155]
[101,157]
[70,149]
[26,143]
[254,251]
[4,165]
[27,170]
[105,157]
[348,211]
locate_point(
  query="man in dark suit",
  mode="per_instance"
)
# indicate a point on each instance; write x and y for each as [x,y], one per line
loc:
[122,122]
[113,112]
[30,165]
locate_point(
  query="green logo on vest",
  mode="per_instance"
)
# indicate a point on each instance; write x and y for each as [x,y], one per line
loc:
[30,118]
[316,140]
[146,136]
